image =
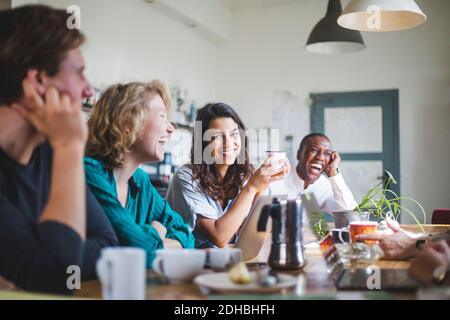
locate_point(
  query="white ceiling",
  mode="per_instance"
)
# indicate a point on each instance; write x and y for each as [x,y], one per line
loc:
[239,4]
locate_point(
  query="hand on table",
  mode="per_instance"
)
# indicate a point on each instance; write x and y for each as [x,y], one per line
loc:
[172,244]
[159,228]
[398,245]
[432,256]
[162,231]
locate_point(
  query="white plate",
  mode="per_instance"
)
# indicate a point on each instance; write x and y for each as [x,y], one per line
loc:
[220,282]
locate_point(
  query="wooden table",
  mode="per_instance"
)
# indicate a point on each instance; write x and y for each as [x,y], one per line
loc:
[314,281]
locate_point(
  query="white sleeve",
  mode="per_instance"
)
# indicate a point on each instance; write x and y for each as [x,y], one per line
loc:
[342,194]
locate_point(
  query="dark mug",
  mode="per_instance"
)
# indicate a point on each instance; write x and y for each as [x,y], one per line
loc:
[340,235]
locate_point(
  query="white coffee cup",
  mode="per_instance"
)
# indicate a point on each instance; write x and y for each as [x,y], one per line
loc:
[222,258]
[275,159]
[122,273]
[179,265]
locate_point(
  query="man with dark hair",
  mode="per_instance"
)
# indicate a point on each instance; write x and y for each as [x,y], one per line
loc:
[317,172]
[29,42]
[48,218]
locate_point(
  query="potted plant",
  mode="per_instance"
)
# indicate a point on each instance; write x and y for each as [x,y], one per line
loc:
[381,202]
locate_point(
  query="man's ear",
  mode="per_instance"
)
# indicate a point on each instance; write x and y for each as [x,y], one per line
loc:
[36,79]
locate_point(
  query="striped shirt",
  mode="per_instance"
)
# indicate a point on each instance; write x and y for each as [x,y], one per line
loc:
[132,222]
[187,197]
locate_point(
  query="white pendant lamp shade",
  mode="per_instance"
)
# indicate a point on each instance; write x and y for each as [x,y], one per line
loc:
[381,15]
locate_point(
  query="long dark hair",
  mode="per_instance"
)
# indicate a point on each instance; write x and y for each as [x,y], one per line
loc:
[207,175]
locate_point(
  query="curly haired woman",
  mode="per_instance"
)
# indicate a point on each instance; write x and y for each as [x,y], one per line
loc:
[128,127]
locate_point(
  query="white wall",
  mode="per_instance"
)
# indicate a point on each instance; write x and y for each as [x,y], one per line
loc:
[17,3]
[266,54]
[212,18]
[130,40]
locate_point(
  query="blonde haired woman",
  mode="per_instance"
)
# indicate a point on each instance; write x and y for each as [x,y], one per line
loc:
[128,127]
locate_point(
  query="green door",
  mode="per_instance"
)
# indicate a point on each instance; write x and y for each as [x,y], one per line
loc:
[364,129]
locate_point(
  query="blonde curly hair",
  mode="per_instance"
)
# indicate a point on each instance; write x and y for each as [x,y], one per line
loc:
[118,117]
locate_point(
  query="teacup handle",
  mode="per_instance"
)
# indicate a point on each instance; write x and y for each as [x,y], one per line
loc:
[340,235]
[158,266]
[104,268]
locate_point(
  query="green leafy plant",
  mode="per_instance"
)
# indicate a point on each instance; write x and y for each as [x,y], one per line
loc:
[319,224]
[382,202]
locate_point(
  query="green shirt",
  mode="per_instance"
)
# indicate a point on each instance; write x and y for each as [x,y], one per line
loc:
[144,204]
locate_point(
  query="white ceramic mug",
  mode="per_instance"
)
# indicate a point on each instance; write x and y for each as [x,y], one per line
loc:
[275,159]
[179,265]
[122,273]
[222,258]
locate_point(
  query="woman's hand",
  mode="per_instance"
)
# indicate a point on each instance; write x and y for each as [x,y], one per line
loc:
[56,117]
[220,231]
[159,228]
[172,244]
[162,231]
[265,175]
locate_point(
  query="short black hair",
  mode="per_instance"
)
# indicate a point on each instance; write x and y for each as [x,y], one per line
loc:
[308,137]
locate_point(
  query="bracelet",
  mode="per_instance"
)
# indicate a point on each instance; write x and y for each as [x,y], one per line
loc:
[428,238]
[420,243]
[423,239]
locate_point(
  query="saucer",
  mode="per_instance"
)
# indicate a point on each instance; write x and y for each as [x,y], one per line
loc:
[220,282]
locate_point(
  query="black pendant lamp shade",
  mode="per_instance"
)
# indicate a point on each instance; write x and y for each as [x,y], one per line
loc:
[328,37]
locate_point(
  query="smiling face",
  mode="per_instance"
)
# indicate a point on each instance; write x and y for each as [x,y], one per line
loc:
[225,140]
[149,146]
[313,158]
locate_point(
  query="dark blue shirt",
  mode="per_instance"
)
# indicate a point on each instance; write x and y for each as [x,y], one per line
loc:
[35,255]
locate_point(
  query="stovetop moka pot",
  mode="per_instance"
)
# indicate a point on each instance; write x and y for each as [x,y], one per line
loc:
[286,251]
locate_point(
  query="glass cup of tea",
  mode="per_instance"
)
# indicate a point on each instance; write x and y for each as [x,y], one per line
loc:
[364,216]
[326,243]
[363,227]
